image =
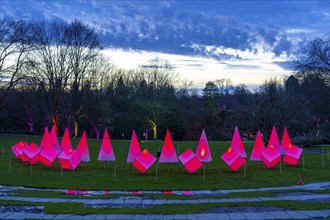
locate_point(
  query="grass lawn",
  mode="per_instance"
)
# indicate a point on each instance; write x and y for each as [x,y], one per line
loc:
[93,176]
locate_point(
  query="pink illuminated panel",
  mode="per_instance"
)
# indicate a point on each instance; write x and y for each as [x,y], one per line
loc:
[48,155]
[52,139]
[45,139]
[233,159]
[19,148]
[69,159]
[134,148]
[292,155]
[144,161]
[31,153]
[257,148]
[168,154]
[270,156]
[203,152]
[83,148]
[190,161]
[237,143]
[274,141]
[106,152]
[286,141]
[66,142]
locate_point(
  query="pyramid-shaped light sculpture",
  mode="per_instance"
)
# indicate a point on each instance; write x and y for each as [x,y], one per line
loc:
[237,143]
[19,148]
[31,153]
[190,161]
[69,159]
[274,141]
[45,139]
[83,148]
[106,152]
[257,148]
[144,161]
[292,155]
[48,155]
[168,154]
[286,141]
[134,148]
[233,159]
[270,156]
[203,152]
[66,142]
[52,139]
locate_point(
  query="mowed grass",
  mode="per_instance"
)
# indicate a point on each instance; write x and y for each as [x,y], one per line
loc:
[93,176]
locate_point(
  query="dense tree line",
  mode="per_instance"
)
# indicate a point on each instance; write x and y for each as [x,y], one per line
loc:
[55,74]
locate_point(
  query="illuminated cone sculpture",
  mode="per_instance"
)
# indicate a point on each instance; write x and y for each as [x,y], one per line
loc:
[45,139]
[52,139]
[292,155]
[203,152]
[134,148]
[270,156]
[69,159]
[257,148]
[106,152]
[19,148]
[31,153]
[190,161]
[286,141]
[274,141]
[233,159]
[66,142]
[48,155]
[144,161]
[168,154]
[83,148]
[237,144]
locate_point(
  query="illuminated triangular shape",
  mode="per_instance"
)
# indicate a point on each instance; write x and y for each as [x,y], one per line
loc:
[45,139]
[257,148]
[106,152]
[134,148]
[233,159]
[53,142]
[168,154]
[31,153]
[83,148]
[203,152]
[270,156]
[286,142]
[66,142]
[274,141]
[237,144]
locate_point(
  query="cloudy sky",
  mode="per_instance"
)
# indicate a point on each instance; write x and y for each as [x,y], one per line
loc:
[247,41]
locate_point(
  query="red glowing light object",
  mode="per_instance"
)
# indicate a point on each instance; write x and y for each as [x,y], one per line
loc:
[106,152]
[45,139]
[48,155]
[190,161]
[66,142]
[168,154]
[31,153]
[292,155]
[144,161]
[134,148]
[270,156]
[233,159]
[52,139]
[273,140]
[69,159]
[257,148]
[203,152]
[83,148]
[19,148]
[286,141]
[237,143]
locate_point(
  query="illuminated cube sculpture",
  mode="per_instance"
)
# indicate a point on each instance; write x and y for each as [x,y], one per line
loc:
[144,161]
[270,156]
[203,152]
[292,155]
[31,153]
[168,154]
[69,159]
[190,161]
[233,159]
[237,144]
[274,141]
[106,152]
[134,148]
[19,148]
[258,147]
[48,155]
[83,148]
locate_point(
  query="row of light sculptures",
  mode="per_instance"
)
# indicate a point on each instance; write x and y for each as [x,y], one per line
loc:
[70,158]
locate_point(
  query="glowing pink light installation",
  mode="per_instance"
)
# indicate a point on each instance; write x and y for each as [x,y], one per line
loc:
[45,139]
[19,148]
[286,141]
[237,144]
[83,148]
[66,142]
[168,154]
[134,148]
[52,139]
[257,148]
[274,141]
[190,161]
[106,152]
[31,153]
[69,159]
[144,161]
[292,155]
[48,155]
[270,156]
[203,152]
[233,159]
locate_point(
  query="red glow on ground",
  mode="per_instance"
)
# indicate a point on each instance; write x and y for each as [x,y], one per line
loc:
[168,192]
